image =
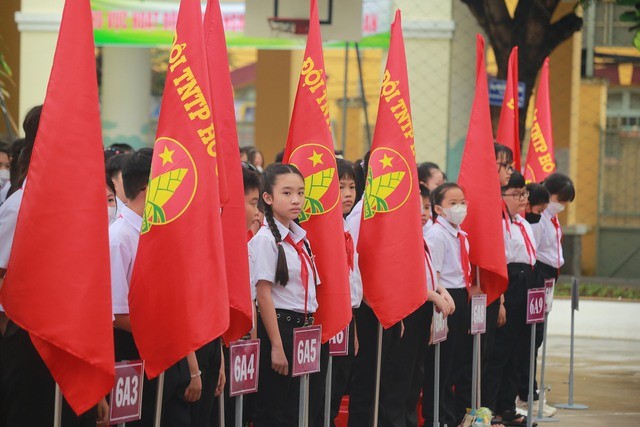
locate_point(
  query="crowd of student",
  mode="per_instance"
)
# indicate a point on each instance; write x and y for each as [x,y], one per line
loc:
[283,281]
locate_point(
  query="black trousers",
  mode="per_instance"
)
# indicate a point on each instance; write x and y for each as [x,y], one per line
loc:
[341,373]
[452,359]
[29,388]
[176,412]
[402,380]
[362,391]
[506,358]
[543,272]
[277,399]
[202,411]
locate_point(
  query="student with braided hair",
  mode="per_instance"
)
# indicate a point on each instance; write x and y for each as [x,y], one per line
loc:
[285,278]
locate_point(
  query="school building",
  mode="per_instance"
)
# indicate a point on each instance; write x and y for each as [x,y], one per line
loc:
[595,91]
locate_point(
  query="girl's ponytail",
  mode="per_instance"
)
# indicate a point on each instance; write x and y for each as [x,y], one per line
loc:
[282,270]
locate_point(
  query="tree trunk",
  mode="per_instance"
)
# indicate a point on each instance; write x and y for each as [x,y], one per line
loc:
[531,30]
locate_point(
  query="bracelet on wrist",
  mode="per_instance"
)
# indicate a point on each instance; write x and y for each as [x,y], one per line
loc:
[196,375]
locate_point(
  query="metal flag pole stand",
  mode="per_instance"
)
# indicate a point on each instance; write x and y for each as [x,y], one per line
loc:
[532,358]
[303,411]
[376,399]
[436,387]
[158,416]
[574,307]
[540,418]
[475,374]
[57,409]
[327,393]
[221,410]
[239,402]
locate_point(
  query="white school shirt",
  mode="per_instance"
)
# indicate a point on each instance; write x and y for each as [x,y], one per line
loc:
[124,235]
[4,191]
[444,245]
[263,267]
[355,280]
[353,221]
[549,241]
[515,247]
[426,228]
[8,218]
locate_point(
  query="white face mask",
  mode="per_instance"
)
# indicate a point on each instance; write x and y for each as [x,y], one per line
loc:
[4,176]
[455,214]
[555,208]
[112,210]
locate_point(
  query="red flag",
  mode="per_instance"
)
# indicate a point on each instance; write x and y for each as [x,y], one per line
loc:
[65,301]
[178,299]
[508,127]
[310,148]
[541,161]
[479,179]
[234,230]
[390,245]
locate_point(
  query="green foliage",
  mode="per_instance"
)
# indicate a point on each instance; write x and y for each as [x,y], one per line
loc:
[598,290]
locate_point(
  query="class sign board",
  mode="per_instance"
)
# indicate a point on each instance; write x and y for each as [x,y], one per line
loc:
[478,314]
[306,350]
[244,358]
[339,344]
[536,305]
[439,328]
[126,395]
[549,285]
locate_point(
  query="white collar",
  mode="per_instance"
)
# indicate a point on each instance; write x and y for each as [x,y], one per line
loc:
[131,217]
[450,228]
[297,232]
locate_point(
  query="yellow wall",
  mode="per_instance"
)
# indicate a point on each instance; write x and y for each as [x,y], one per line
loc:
[584,160]
[10,47]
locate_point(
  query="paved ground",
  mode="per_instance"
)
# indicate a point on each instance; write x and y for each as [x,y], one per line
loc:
[607,379]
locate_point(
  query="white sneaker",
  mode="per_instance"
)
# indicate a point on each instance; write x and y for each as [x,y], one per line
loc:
[547,410]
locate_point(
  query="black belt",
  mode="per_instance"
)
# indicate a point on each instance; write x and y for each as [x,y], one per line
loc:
[288,316]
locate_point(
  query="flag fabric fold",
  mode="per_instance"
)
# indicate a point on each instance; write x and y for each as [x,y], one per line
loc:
[479,179]
[508,126]
[310,148]
[541,160]
[390,243]
[178,297]
[57,285]
[233,224]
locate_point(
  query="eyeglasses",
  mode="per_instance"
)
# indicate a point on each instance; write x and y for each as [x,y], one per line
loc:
[517,196]
[507,166]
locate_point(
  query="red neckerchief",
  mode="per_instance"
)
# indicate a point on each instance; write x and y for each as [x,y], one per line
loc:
[304,267]
[464,257]
[350,252]
[506,216]
[427,255]
[531,251]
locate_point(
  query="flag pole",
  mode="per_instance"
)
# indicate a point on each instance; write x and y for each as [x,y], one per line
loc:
[376,401]
[158,415]
[327,393]
[57,410]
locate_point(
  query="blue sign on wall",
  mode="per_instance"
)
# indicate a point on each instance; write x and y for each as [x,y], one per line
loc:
[496,92]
